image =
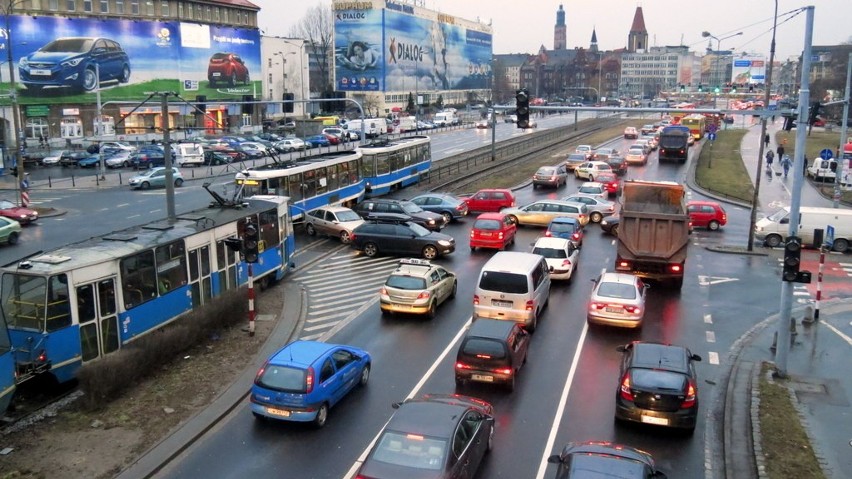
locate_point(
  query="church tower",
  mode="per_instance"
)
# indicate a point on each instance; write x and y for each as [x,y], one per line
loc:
[560,38]
[593,46]
[637,40]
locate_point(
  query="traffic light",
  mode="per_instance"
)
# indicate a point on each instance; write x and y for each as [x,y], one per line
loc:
[288,102]
[733,88]
[789,123]
[248,108]
[700,88]
[522,106]
[751,88]
[251,242]
[792,259]
[814,113]
[683,88]
[716,90]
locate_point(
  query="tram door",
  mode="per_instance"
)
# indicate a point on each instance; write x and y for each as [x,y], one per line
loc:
[199,275]
[97,313]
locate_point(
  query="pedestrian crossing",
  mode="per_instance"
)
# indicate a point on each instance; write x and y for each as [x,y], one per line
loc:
[37,199]
[339,288]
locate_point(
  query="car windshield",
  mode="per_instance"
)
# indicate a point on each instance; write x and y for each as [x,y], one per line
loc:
[617,290]
[283,378]
[635,150]
[479,347]
[5,204]
[486,225]
[417,229]
[546,171]
[589,189]
[406,282]
[503,282]
[347,216]
[410,450]
[72,45]
[410,207]
[577,157]
[656,379]
[550,253]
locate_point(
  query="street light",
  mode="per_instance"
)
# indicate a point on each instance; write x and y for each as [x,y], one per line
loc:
[13,96]
[706,34]
[283,74]
[600,70]
[301,54]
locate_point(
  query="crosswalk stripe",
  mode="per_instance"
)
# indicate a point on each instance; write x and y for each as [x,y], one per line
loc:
[365,281]
[344,273]
[311,337]
[346,307]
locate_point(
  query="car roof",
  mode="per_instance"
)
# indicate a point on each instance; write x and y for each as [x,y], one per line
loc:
[551,242]
[300,353]
[599,163]
[427,418]
[491,216]
[490,328]
[565,219]
[388,217]
[334,209]
[653,355]
[702,202]
[504,190]
[413,267]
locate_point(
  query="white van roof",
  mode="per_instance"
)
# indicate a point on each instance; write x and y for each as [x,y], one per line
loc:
[512,261]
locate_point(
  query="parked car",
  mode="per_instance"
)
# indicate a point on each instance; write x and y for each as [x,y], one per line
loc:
[561,256]
[78,63]
[554,176]
[706,214]
[10,231]
[590,169]
[540,213]
[580,460]
[119,159]
[155,177]
[492,230]
[430,436]
[611,182]
[417,287]
[492,351]
[490,200]
[71,158]
[658,385]
[618,299]
[630,132]
[609,225]
[91,161]
[215,157]
[289,145]
[304,379]
[254,149]
[147,159]
[394,234]
[317,140]
[574,160]
[598,207]
[449,206]
[117,145]
[228,68]
[427,219]
[336,221]
[20,214]
[52,159]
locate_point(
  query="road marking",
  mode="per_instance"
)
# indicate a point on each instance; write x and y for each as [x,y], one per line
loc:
[839,333]
[710,336]
[713,357]
[708,318]
[710,280]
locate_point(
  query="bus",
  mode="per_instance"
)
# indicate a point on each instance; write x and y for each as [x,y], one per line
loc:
[88,300]
[332,178]
[389,165]
[696,125]
[331,120]
[674,144]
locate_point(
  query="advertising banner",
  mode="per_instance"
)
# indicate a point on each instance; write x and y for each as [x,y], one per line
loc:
[748,70]
[358,60]
[68,59]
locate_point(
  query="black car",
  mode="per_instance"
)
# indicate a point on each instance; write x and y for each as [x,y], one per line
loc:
[657,385]
[427,219]
[618,164]
[433,436]
[492,351]
[395,234]
[147,159]
[213,157]
[604,459]
[72,158]
[609,224]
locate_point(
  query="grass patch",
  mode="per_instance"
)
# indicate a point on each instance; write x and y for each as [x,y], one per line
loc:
[814,143]
[786,446]
[720,167]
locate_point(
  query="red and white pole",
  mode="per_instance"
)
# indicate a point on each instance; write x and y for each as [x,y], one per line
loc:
[251,299]
[819,281]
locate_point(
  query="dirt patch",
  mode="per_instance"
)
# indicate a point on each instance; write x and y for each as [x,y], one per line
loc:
[77,444]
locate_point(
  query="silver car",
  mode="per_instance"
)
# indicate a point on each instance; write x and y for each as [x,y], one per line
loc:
[334,221]
[618,299]
[541,212]
[598,208]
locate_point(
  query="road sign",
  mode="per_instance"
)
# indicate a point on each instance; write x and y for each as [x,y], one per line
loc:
[190,85]
[829,236]
[711,136]
[826,154]
[713,128]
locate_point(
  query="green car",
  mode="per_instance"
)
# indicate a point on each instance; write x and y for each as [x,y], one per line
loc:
[10,230]
[154,177]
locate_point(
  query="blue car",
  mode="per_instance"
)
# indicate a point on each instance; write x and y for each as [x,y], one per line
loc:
[89,162]
[79,63]
[317,140]
[449,206]
[302,380]
[566,228]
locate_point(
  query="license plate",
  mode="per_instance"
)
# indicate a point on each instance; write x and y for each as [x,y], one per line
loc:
[614,310]
[660,421]
[278,412]
[37,71]
[217,74]
[480,377]
[502,304]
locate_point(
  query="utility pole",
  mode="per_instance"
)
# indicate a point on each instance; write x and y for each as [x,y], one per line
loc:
[16,108]
[841,161]
[167,153]
[785,314]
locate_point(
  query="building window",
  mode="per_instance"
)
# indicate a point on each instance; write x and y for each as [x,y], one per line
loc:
[216,11]
[71,5]
[119,7]
[164,9]
[207,13]
[87,6]
[180,10]
[149,4]
[134,7]
[225,15]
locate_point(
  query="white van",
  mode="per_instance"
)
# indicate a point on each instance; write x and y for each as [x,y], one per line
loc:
[188,154]
[445,118]
[773,229]
[407,123]
[513,286]
[373,127]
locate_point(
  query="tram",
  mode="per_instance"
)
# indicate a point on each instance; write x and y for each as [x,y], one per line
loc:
[84,301]
[7,369]
[392,164]
[328,179]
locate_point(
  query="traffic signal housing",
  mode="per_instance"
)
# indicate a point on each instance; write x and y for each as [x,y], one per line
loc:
[522,107]
[700,88]
[251,242]
[789,123]
[814,113]
[792,259]
[201,102]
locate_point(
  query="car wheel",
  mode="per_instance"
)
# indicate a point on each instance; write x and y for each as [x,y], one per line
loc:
[365,376]
[455,288]
[179,182]
[459,382]
[291,150]
[448,217]
[310,230]
[596,217]
[533,323]
[371,250]
[772,241]
[490,445]
[322,416]
[430,252]
[145,185]
[345,237]
[432,311]
[259,417]
[576,174]
[713,225]
[247,79]
[510,385]
[126,164]
[125,74]
[90,79]
[614,230]
[233,79]
[473,248]
[514,219]
[840,245]
[13,238]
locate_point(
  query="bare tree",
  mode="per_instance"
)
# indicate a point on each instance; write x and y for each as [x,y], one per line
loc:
[316,28]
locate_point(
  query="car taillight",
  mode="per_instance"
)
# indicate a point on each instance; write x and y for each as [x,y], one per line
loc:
[383,291]
[475,300]
[503,371]
[582,217]
[611,208]
[675,268]
[352,237]
[632,309]
[566,262]
[548,233]
[472,233]
[623,264]
[626,392]
[724,218]
[594,305]
[424,295]
[553,178]
[460,207]
[309,380]
[462,366]
[689,401]
[530,305]
[260,371]
[500,235]
[575,236]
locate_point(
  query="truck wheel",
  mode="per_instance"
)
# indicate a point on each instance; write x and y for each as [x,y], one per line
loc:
[840,245]
[772,241]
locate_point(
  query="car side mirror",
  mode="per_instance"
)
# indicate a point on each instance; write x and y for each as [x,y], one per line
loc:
[621,348]
[695,357]
[660,475]
[555,459]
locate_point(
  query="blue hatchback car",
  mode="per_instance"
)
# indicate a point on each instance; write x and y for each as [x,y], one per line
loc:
[317,140]
[566,228]
[304,379]
[79,63]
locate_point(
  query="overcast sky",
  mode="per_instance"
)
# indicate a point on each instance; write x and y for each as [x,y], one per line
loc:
[521,27]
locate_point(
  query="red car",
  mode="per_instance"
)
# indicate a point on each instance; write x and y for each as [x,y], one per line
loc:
[492,230]
[490,200]
[332,139]
[227,68]
[610,181]
[18,213]
[706,214]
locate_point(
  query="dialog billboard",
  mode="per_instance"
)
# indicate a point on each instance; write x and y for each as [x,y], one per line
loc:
[358,50]
[747,70]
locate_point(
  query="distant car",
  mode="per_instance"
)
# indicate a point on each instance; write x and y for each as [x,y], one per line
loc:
[609,225]
[215,157]
[706,214]
[492,351]
[575,159]
[567,228]
[648,129]
[228,68]
[155,177]
[317,140]
[10,231]
[289,145]
[483,124]
[554,176]
[611,182]
[52,159]
[541,212]
[254,149]
[490,200]
[658,385]
[560,254]
[511,119]
[119,159]
[78,63]
[604,152]
[304,379]
[71,158]
[618,299]
[630,132]
[594,189]
[590,169]
[492,230]
[20,214]
[417,287]
[427,219]
[117,145]
[341,133]
[432,436]
[617,164]
[581,460]
[449,206]
[636,156]
[598,208]
[388,235]
[336,221]
[651,139]
[645,144]
[586,150]
[91,161]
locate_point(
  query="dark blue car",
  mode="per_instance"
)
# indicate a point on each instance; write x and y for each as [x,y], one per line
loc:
[317,140]
[79,63]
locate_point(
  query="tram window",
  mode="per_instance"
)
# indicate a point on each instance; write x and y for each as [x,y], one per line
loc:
[109,334]
[354,177]
[382,164]
[171,266]
[368,167]
[106,297]
[343,169]
[269,228]
[309,185]
[24,301]
[295,182]
[193,265]
[139,278]
[321,180]
[58,307]
[333,178]
[394,161]
[205,260]
[85,303]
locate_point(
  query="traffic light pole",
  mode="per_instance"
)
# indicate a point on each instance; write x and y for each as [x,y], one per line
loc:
[841,161]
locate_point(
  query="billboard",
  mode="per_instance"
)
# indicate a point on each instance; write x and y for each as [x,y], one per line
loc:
[746,70]
[67,60]
[411,53]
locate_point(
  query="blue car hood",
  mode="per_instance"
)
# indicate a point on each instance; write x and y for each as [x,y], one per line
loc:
[53,57]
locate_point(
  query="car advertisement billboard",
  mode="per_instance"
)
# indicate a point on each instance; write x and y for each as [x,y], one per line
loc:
[62,58]
[747,70]
[385,50]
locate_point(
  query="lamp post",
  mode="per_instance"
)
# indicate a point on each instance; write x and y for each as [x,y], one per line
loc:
[493,112]
[13,96]
[600,72]
[301,88]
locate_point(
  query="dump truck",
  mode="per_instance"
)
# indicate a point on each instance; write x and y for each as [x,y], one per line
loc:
[654,231]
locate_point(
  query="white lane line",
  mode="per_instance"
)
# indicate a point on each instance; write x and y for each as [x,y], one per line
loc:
[708,318]
[363,456]
[713,357]
[563,401]
[711,336]
[839,333]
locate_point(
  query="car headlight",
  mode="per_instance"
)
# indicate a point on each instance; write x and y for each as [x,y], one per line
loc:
[445,243]
[71,63]
[23,62]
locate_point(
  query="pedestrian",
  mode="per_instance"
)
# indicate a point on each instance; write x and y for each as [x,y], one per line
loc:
[780,151]
[805,166]
[786,163]
[770,157]
[766,140]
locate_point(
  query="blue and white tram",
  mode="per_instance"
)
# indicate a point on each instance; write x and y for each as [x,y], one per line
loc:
[389,165]
[313,182]
[86,300]
[7,369]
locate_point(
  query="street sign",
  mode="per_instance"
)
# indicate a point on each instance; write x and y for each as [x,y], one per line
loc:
[711,136]
[829,236]
[713,128]
[826,154]
[190,85]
